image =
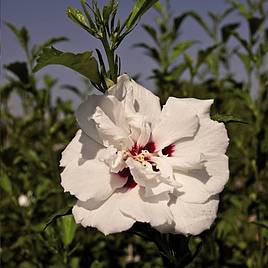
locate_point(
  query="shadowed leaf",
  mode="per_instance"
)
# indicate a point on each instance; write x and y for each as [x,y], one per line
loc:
[82,63]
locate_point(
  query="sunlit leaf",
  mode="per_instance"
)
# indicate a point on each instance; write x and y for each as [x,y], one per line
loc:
[68,228]
[60,213]
[78,17]
[82,63]
[140,7]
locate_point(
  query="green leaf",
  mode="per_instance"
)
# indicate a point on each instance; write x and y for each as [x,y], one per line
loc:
[228,119]
[21,34]
[109,9]
[60,213]
[176,72]
[180,48]
[140,7]
[254,24]
[246,60]
[20,70]
[151,31]
[200,21]
[263,224]
[96,264]
[5,184]
[178,21]
[213,63]
[82,63]
[78,17]
[204,54]
[227,30]
[68,228]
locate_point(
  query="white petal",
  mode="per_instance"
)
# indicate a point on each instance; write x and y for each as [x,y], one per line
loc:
[186,162]
[110,133]
[193,218]
[199,185]
[113,158]
[211,138]
[217,167]
[72,150]
[83,115]
[153,210]
[163,165]
[139,128]
[145,102]
[88,177]
[202,107]
[106,217]
[153,182]
[143,175]
[177,121]
[109,105]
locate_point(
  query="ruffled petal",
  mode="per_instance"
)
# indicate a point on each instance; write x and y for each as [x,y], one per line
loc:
[186,162]
[140,129]
[153,182]
[105,216]
[153,210]
[72,150]
[79,180]
[109,105]
[199,185]
[177,121]
[201,107]
[211,138]
[110,133]
[193,218]
[144,101]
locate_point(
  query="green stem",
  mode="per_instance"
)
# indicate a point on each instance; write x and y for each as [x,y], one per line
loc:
[110,57]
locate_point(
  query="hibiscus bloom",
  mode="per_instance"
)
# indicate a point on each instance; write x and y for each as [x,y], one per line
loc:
[132,161]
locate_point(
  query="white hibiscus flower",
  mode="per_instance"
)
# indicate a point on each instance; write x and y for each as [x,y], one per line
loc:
[133,162]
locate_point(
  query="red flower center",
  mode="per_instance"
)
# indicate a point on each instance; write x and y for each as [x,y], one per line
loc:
[135,151]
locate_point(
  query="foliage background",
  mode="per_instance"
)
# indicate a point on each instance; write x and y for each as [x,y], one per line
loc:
[31,143]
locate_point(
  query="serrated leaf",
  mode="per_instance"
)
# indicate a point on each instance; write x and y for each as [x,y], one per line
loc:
[140,7]
[180,48]
[20,70]
[68,228]
[228,119]
[5,184]
[82,63]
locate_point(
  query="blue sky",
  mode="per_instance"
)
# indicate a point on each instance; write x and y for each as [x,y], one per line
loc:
[46,19]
